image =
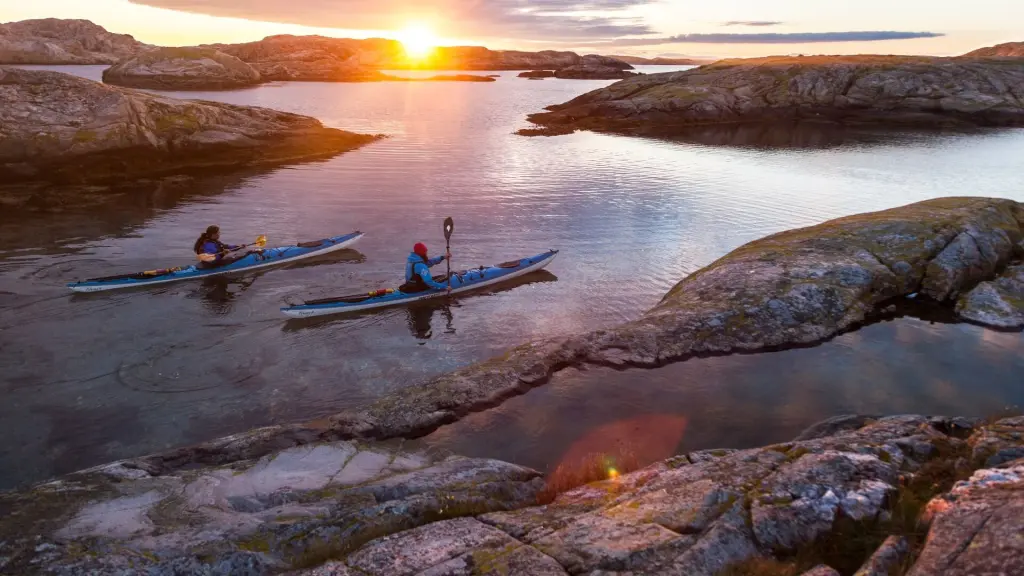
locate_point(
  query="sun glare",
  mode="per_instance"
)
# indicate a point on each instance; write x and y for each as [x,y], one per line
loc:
[419,41]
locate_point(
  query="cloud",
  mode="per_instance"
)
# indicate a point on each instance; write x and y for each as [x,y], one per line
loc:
[793,38]
[753,23]
[521,19]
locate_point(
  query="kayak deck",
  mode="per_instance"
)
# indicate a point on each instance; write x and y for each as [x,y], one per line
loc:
[261,259]
[464,281]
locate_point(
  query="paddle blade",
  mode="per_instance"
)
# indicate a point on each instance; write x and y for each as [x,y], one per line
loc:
[449,227]
[261,241]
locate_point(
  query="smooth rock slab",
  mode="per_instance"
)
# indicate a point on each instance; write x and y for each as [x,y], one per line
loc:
[303,468]
[119,518]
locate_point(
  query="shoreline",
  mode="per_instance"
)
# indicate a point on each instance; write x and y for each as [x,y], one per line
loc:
[331,507]
[849,288]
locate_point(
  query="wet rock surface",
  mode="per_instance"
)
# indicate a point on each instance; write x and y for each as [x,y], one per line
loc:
[61,128]
[57,41]
[834,503]
[296,507]
[998,303]
[848,89]
[182,69]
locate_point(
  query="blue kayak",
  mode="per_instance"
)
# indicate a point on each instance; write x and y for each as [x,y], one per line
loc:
[464,281]
[261,259]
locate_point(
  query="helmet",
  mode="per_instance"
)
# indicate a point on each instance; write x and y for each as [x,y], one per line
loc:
[420,248]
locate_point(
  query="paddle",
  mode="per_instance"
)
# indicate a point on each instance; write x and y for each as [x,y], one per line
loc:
[261,241]
[449,227]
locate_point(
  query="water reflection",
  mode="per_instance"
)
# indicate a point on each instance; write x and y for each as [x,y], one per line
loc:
[420,315]
[797,135]
[907,365]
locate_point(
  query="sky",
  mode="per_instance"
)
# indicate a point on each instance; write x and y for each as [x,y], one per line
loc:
[720,28]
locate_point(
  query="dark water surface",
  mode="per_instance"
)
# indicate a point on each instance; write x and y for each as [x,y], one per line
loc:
[907,366]
[90,378]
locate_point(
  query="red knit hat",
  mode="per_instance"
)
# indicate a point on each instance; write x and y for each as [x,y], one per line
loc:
[420,248]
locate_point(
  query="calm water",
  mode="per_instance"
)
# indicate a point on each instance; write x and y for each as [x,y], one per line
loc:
[903,366]
[87,379]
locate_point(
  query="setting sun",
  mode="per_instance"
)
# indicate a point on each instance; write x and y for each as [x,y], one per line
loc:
[419,41]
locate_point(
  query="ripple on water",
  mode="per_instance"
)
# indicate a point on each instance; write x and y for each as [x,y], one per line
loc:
[190,367]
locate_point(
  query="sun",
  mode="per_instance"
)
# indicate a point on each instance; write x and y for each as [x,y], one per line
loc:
[418,41]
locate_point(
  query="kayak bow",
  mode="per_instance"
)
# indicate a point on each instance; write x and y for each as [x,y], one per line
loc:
[266,258]
[464,281]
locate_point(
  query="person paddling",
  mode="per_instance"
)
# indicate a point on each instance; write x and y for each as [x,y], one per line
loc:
[417,271]
[211,251]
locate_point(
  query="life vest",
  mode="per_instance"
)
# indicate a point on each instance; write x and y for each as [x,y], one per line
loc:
[208,258]
[413,281]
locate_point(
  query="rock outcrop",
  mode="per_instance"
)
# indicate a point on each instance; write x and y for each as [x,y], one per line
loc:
[793,288]
[844,498]
[304,58]
[590,72]
[63,128]
[912,91]
[1008,50]
[662,61]
[537,74]
[182,69]
[480,58]
[998,303]
[56,41]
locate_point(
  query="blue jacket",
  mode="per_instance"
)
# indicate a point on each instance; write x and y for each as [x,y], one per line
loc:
[414,265]
[211,247]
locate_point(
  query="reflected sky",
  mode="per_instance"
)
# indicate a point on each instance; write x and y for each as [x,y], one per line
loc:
[901,366]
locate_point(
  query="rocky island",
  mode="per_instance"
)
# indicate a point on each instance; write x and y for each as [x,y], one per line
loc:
[877,90]
[182,69]
[57,41]
[663,61]
[1007,50]
[60,128]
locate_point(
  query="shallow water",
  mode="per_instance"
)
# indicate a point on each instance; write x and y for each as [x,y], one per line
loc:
[87,379]
[903,366]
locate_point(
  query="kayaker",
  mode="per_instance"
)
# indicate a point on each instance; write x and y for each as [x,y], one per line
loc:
[211,251]
[417,271]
